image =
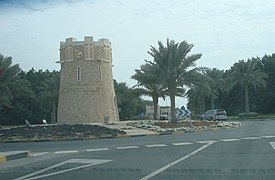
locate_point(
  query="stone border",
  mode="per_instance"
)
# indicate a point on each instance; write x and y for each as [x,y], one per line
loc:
[12,155]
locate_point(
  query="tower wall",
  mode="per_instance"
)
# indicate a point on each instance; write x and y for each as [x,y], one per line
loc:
[86,92]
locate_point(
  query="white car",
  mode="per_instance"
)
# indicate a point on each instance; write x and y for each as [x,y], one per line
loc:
[163,117]
[214,114]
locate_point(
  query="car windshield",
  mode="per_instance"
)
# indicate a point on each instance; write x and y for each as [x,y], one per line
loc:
[221,112]
[137,89]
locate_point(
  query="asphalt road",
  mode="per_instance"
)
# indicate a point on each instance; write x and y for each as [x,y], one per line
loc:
[242,153]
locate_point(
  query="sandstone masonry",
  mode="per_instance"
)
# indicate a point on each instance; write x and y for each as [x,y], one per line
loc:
[86,92]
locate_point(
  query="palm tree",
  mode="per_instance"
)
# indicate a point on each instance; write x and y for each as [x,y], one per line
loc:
[247,74]
[197,94]
[149,84]
[175,67]
[10,83]
[48,95]
[215,79]
[127,101]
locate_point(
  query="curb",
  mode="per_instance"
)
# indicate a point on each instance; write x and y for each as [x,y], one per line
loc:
[117,136]
[2,158]
[12,155]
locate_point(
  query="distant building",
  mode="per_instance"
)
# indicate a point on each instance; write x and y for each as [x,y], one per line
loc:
[86,92]
[150,111]
[165,110]
[161,110]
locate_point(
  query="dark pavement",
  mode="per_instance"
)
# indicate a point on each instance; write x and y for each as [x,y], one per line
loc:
[242,153]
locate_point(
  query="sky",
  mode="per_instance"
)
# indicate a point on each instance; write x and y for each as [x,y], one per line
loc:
[223,31]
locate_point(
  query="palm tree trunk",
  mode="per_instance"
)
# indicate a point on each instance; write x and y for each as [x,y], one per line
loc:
[198,105]
[155,102]
[203,104]
[54,113]
[246,99]
[173,107]
[212,102]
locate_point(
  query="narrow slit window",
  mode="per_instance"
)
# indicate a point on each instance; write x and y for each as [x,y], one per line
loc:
[68,54]
[78,73]
[89,55]
[71,54]
[105,54]
[99,73]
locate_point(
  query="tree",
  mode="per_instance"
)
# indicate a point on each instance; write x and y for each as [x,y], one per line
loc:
[11,85]
[215,79]
[45,85]
[48,97]
[148,84]
[175,67]
[12,88]
[247,75]
[196,96]
[127,101]
[268,99]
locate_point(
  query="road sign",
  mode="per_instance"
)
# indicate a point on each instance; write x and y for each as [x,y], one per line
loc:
[188,113]
[183,113]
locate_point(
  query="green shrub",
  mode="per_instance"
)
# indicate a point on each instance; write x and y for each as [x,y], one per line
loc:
[250,114]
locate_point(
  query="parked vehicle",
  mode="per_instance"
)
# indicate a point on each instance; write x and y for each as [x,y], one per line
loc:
[214,114]
[163,117]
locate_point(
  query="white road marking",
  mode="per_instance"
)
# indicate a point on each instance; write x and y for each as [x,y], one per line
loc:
[100,149]
[180,144]
[268,136]
[177,161]
[127,147]
[203,142]
[229,140]
[65,152]
[250,138]
[155,145]
[88,162]
[272,145]
[39,153]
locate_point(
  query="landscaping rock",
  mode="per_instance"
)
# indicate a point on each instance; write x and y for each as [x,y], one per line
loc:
[48,132]
[182,126]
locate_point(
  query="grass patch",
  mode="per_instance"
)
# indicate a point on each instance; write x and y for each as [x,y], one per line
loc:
[260,117]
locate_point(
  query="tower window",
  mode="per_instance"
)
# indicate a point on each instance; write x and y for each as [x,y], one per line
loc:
[99,73]
[78,73]
[89,52]
[69,54]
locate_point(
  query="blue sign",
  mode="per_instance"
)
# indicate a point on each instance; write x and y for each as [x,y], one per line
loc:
[183,113]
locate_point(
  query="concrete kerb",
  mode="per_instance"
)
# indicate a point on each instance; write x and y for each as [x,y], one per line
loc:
[2,158]
[12,155]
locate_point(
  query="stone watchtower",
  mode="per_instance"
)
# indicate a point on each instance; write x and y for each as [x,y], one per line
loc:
[86,93]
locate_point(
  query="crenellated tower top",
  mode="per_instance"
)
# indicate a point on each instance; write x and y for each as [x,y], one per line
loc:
[71,50]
